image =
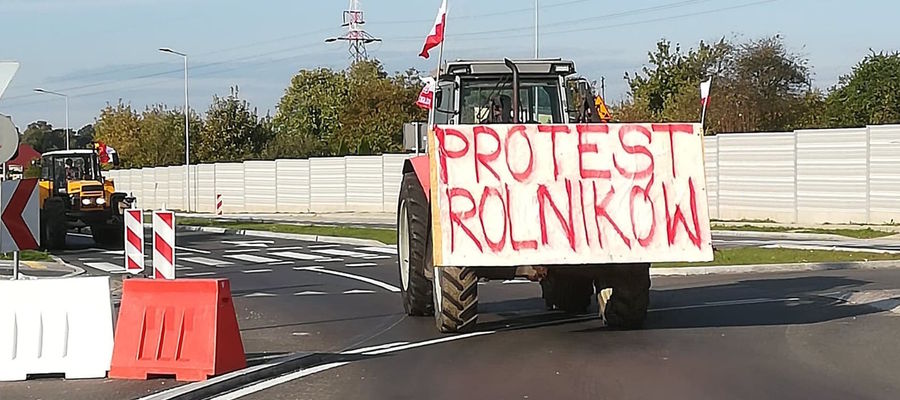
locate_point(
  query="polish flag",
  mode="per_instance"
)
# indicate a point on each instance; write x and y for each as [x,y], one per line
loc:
[704,92]
[426,96]
[436,37]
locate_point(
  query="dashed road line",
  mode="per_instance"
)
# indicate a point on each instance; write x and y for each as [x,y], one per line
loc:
[358,291]
[323,246]
[253,259]
[360,265]
[309,293]
[343,253]
[190,250]
[209,262]
[281,263]
[259,294]
[257,271]
[297,256]
[193,274]
[378,249]
[323,270]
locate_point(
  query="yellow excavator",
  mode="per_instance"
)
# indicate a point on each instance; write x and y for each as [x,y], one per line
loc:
[587,107]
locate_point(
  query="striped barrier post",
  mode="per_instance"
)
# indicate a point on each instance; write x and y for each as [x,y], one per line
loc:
[164,245]
[219,204]
[134,241]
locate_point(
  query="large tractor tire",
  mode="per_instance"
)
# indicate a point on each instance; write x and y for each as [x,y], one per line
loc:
[414,247]
[53,224]
[627,306]
[569,293]
[455,299]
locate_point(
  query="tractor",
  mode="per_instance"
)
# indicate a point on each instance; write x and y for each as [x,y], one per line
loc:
[503,94]
[74,194]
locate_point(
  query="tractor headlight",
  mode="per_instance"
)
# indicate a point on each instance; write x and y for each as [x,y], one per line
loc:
[86,202]
[101,201]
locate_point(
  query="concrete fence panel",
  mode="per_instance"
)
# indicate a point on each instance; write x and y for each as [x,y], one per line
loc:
[365,180]
[230,184]
[148,183]
[393,174]
[884,174]
[177,188]
[711,162]
[327,184]
[260,187]
[756,177]
[831,175]
[292,185]
[206,188]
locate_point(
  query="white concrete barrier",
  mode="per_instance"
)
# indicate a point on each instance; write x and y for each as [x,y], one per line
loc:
[55,326]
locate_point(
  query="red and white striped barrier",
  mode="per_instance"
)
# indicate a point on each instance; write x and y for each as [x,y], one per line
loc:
[219,204]
[164,245]
[134,241]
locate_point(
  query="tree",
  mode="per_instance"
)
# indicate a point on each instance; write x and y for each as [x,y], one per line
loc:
[162,136]
[43,138]
[869,95]
[308,115]
[83,137]
[120,127]
[232,131]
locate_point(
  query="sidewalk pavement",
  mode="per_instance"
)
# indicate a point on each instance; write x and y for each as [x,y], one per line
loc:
[39,269]
[388,220]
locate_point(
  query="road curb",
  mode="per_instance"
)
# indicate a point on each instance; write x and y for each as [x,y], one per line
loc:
[234,380]
[773,268]
[75,271]
[279,235]
[781,235]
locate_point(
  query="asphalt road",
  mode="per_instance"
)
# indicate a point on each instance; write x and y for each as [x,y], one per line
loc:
[713,337]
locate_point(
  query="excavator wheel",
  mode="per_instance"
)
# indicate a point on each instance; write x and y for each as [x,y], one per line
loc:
[413,247]
[53,224]
[627,306]
[455,299]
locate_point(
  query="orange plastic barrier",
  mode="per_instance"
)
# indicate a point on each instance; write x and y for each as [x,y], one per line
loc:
[185,328]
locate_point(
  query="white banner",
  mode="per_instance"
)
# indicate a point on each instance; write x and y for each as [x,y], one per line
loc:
[507,195]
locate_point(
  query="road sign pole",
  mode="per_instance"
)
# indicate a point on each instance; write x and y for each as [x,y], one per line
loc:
[16,265]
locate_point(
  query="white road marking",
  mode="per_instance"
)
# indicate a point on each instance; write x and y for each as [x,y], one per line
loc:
[377,257]
[253,259]
[726,303]
[299,333]
[373,348]
[242,251]
[358,291]
[297,256]
[343,253]
[360,265]
[190,250]
[323,246]
[829,248]
[249,243]
[330,260]
[282,263]
[115,252]
[257,271]
[259,294]
[370,281]
[378,249]
[81,235]
[183,268]
[388,348]
[309,293]
[192,274]
[291,248]
[209,262]
[107,267]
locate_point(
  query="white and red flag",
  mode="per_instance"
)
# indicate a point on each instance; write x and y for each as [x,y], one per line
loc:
[436,37]
[426,96]
[704,92]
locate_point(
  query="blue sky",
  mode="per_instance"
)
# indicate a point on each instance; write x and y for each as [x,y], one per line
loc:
[99,51]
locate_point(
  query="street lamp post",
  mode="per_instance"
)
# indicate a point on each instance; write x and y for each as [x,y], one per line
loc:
[187,125]
[65,96]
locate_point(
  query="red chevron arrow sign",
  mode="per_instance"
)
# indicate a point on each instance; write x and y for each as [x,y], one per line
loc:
[20,215]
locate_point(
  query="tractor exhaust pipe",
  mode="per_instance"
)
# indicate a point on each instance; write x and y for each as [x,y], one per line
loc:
[515,97]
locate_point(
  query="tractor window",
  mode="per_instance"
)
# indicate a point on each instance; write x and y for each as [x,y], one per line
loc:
[443,102]
[74,167]
[490,101]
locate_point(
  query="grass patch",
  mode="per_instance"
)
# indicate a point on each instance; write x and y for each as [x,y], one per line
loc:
[867,233]
[387,236]
[755,255]
[28,255]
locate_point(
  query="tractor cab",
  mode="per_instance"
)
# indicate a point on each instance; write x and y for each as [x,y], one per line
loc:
[503,92]
[74,173]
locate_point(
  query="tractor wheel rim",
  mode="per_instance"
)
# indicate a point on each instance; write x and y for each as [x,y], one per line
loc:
[403,245]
